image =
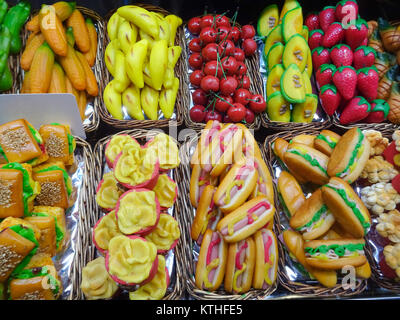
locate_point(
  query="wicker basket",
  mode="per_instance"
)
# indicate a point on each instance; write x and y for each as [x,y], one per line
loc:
[85,210]
[175,289]
[189,266]
[307,287]
[181,98]
[92,120]
[256,86]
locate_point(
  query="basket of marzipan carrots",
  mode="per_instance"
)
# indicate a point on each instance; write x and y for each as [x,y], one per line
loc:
[62,52]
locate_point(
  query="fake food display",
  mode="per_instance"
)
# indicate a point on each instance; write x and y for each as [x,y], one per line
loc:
[35,192]
[234,203]
[141,57]
[137,230]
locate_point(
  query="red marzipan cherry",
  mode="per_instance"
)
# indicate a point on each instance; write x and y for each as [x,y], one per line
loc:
[194,25]
[257,103]
[226,48]
[208,35]
[197,113]
[226,119]
[222,105]
[247,32]
[250,116]
[195,60]
[213,115]
[244,82]
[195,77]
[241,68]
[199,96]
[207,21]
[210,69]
[238,54]
[229,64]
[223,33]
[242,96]
[195,45]
[210,83]
[237,112]
[249,47]
[228,86]
[210,52]
[234,35]
[223,21]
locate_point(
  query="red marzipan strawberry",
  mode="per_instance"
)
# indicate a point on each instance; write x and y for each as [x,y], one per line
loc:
[315,39]
[387,271]
[346,9]
[357,109]
[396,183]
[324,74]
[345,80]
[327,17]
[330,98]
[320,56]
[367,82]
[379,111]
[364,56]
[356,33]
[390,152]
[312,21]
[333,35]
[341,55]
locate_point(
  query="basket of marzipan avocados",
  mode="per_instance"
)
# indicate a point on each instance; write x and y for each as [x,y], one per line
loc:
[314,235]
[256,84]
[220,286]
[163,106]
[170,260]
[88,100]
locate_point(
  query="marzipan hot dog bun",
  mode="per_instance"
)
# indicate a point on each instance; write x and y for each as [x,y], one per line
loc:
[306,139]
[240,266]
[307,162]
[250,146]
[264,182]
[209,132]
[225,148]
[290,192]
[349,156]
[207,215]
[198,181]
[236,186]
[246,220]
[335,254]
[348,209]
[326,141]
[266,259]
[210,268]
[313,218]
[294,243]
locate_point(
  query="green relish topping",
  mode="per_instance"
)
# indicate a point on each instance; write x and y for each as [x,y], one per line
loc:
[65,175]
[312,161]
[3,154]
[70,139]
[354,153]
[337,248]
[323,138]
[27,190]
[315,218]
[36,135]
[29,234]
[353,206]
[59,233]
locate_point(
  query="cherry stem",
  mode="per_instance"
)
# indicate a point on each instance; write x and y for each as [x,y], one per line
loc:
[235,16]
[251,100]
[219,97]
[222,68]
[209,104]
[205,10]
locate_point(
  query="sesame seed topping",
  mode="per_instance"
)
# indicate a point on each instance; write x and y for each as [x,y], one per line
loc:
[34,295]
[5,194]
[55,146]
[14,140]
[8,260]
[50,193]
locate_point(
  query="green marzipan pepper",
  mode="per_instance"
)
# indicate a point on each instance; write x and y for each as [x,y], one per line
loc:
[6,80]
[14,20]
[5,42]
[3,9]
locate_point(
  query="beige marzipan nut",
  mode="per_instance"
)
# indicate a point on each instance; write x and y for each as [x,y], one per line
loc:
[380,197]
[392,257]
[378,169]
[389,226]
[377,142]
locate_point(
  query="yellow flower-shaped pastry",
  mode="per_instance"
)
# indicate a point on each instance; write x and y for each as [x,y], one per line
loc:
[131,260]
[137,211]
[96,282]
[165,190]
[108,193]
[115,146]
[156,288]
[167,151]
[166,234]
[137,167]
[104,230]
